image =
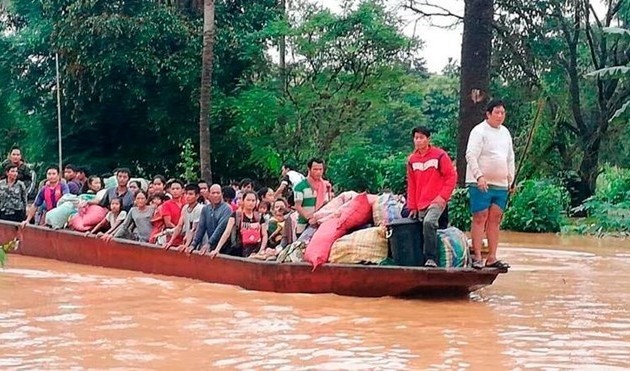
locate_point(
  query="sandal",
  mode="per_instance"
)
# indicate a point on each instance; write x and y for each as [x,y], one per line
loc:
[498,264]
[477,264]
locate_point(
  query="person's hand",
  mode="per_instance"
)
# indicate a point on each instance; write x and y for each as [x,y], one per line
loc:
[213,253]
[88,233]
[167,245]
[188,249]
[107,237]
[512,189]
[413,214]
[204,249]
[482,184]
[439,200]
[23,224]
[312,220]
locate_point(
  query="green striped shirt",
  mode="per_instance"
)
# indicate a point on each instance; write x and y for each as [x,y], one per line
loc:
[304,193]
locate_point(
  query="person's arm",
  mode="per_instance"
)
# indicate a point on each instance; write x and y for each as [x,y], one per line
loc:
[125,226]
[263,232]
[119,221]
[24,193]
[411,190]
[224,218]
[449,175]
[32,209]
[202,228]
[190,235]
[98,226]
[176,232]
[224,237]
[299,197]
[511,166]
[64,189]
[473,151]
[283,185]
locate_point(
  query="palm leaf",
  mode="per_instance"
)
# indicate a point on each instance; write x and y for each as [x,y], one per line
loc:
[611,72]
[617,31]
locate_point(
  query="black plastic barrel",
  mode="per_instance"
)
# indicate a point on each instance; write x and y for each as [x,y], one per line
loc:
[405,241]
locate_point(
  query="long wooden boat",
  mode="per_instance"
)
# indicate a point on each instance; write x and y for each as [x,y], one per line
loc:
[250,274]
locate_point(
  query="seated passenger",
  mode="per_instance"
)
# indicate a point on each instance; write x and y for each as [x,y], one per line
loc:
[114,218]
[245,229]
[137,224]
[47,197]
[276,223]
[212,223]
[190,214]
[70,175]
[120,191]
[134,186]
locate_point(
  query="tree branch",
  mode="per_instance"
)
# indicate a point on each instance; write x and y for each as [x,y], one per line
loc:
[432,11]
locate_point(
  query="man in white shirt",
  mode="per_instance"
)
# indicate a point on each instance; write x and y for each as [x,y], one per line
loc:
[489,176]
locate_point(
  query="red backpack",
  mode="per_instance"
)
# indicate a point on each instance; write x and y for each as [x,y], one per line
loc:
[249,234]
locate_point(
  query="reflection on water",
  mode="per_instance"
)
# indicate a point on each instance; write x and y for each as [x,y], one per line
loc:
[561,306]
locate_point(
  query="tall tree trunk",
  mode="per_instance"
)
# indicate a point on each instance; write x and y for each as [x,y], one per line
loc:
[205,99]
[283,51]
[475,74]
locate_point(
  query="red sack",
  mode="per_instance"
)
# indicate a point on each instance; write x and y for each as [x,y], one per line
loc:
[318,249]
[356,213]
[84,221]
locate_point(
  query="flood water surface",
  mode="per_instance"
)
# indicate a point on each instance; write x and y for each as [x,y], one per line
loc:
[564,304]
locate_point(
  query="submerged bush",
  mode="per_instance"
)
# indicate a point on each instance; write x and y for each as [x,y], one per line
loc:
[459,209]
[537,206]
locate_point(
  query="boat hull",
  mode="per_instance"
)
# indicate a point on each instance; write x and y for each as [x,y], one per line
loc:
[350,280]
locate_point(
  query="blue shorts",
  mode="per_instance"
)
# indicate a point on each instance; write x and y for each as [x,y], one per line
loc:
[480,201]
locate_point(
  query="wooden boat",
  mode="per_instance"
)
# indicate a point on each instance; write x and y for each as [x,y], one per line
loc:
[250,274]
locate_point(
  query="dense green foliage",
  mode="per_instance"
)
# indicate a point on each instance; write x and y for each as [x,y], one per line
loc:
[537,206]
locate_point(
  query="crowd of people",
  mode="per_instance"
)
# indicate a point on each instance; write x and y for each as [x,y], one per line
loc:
[236,220]
[209,218]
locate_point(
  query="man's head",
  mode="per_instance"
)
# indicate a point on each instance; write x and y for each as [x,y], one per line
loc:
[229,194]
[191,193]
[215,194]
[52,174]
[122,176]
[421,138]
[15,155]
[315,168]
[11,170]
[69,172]
[175,188]
[82,173]
[286,167]
[495,113]
[247,185]
[204,189]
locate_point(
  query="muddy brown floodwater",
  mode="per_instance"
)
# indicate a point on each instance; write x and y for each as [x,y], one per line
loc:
[564,304]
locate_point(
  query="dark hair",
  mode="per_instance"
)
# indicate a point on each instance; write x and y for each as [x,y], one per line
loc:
[245,182]
[53,167]
[421,130]
[91,178]
[235,183]
[173,181]
[159,195]
[228,193]
[160,177]
[264,203]
[262,192]
[123,170]
[288,165]
[494,103]
[142,191]
[136,182]
[245,194]
[14,147]
[10,166]
[192,187]
[71,167]
[314,160]
[82,169]
[116,199]
[203,181]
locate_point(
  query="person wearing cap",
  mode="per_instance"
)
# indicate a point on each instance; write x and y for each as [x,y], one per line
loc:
[431,179]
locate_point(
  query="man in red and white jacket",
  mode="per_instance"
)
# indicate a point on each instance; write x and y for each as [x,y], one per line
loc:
[431,178]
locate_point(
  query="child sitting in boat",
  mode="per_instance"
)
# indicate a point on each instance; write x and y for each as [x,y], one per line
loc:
[114,218]
[137,224]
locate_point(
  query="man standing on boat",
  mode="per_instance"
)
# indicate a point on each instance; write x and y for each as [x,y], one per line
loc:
[489,175]
[311,194]
[431,178]
[120,191]
[212,223]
